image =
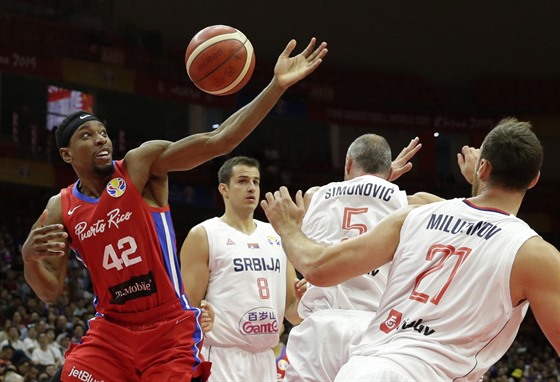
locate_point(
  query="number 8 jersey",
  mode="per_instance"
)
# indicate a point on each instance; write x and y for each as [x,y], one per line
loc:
[128,247]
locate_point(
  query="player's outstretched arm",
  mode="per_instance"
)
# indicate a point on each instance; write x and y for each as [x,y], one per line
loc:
[330,265]
[196,149]
[45,253]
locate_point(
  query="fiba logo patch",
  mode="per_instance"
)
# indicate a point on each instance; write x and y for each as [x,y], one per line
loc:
[273,240]
[116,187]
[392,322]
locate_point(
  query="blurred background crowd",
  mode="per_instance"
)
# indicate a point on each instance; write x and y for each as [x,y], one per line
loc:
[445,73]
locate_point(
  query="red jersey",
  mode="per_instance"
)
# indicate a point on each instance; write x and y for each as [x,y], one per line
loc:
[128,247]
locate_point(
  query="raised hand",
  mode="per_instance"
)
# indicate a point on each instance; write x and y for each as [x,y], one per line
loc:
[282,212]
[289,70]
[401,164]
[467,159]
[44,240]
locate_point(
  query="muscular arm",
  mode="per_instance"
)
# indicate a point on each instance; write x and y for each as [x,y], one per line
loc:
[291,299]
[535,277]
[149,164]
[45,253]
[423,198]
[194,265]
[330,265]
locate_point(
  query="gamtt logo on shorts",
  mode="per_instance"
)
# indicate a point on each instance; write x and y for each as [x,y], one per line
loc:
[392,322]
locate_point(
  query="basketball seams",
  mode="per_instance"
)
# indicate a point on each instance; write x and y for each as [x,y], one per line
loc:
[222,58]
[238,36]
[241,76]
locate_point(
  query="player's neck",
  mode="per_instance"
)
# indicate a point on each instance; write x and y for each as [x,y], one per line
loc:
[507,201]
[92,188]
[241,222]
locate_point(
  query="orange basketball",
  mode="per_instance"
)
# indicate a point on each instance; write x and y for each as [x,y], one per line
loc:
[220,60]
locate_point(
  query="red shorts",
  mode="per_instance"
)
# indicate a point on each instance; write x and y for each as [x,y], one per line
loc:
[162,344]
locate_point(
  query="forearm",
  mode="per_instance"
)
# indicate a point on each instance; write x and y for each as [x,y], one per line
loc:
[239,125]
[291,313]
[43,279]
[304,254]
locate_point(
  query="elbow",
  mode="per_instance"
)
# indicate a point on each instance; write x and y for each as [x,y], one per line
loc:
[318,276]
[47,297]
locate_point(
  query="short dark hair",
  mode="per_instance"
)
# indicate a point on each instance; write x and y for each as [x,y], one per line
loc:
[66,129]
[514,152]
[371,153]
[224,174]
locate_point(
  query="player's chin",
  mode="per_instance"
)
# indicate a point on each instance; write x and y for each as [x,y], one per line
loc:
[104,168]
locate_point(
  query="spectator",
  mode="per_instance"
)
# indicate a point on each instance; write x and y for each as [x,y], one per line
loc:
[13,339]
[31,342]
[44,354]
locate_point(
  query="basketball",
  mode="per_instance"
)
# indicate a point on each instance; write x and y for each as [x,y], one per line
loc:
[220,60]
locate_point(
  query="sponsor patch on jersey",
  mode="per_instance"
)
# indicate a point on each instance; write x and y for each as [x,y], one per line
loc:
[116,187]
[273,240]
[230,242]
[253,245]
[392,322]
[138,286]
[260,320]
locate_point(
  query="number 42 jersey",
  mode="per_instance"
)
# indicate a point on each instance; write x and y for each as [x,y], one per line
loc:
[128,247]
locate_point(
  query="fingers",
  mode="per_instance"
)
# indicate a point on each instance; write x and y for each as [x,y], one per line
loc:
[409,151]
[413,147]
[289,48]
[308,51]
[207,317]
[299,199]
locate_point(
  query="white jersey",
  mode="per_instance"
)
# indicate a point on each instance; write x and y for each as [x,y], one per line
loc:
[247,286]
[447,313]
[339,211]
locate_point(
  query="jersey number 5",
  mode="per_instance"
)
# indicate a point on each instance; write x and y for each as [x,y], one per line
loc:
[348,212]
[126,246]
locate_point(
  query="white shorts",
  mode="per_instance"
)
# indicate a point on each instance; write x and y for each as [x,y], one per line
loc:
[319,346]
[371,369]
[233,364]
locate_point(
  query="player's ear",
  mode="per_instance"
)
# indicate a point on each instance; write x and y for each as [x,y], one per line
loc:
[347,166]
[484,170]
[534,181]
[223,190]
[65,154]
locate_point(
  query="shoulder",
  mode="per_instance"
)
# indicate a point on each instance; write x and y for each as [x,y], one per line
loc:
[141,158]
[537,252]
[54,206]
[536,264]
[199,230]
[309,195]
